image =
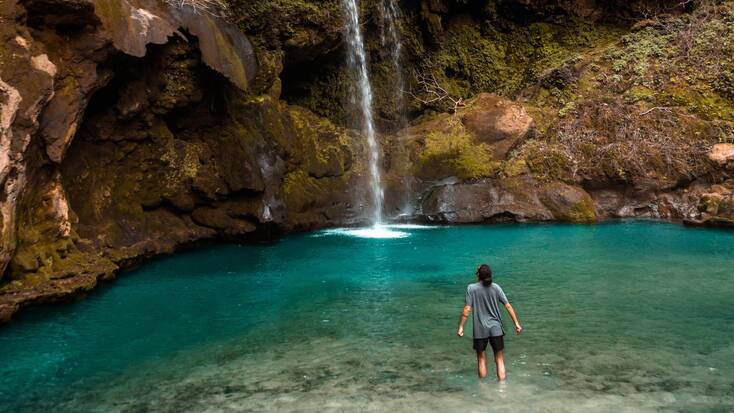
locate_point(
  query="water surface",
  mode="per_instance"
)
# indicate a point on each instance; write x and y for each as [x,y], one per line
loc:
[631,316]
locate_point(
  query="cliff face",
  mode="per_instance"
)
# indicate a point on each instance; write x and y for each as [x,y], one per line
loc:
[635,126]
[130,128]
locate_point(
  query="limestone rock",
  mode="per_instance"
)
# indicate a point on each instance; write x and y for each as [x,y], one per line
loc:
[133,24]
[26,85]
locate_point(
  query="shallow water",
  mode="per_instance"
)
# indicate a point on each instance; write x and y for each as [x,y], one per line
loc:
[631,316]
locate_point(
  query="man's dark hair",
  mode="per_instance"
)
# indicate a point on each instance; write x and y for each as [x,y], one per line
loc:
[485,275]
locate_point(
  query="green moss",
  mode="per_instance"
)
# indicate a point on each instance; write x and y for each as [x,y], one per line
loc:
[299,190]
[477,57]
[681,61]
[583,211]
[567,109]
[706,103]
[268,22]
[455,154]
[641,49]
[724,84]
[547,161]
[639,93]
[514,167]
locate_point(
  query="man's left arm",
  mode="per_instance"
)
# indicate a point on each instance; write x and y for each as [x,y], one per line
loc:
[462,320]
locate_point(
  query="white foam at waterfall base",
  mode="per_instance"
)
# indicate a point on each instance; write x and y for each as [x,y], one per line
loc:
[382,231]
[376,231]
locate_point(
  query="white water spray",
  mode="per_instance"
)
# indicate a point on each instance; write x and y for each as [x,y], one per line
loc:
[389,37]
[357,61]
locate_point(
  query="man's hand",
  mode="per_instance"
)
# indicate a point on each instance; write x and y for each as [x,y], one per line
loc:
[460,332]
[511,311]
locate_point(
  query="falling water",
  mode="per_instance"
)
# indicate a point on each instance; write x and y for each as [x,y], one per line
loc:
[389,37]
[358,64]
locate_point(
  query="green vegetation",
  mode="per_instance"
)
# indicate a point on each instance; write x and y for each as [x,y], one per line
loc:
[268,22]
[645,108]
[479,57]
[455,154]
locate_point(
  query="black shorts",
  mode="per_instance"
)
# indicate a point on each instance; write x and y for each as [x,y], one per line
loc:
[497,343]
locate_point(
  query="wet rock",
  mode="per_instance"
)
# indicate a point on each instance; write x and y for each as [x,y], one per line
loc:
[717,206]
[486,201]
[431,13]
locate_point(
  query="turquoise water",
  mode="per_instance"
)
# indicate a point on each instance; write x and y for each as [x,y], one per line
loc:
[631,316]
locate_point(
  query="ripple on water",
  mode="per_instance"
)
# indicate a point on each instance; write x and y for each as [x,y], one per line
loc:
[630,317]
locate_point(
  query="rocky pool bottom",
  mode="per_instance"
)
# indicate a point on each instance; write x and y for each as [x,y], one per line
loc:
[631,316]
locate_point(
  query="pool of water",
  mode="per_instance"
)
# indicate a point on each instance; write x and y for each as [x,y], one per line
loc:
[631,316]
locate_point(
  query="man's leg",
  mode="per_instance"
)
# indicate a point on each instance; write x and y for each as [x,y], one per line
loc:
[482,364]
[499,361]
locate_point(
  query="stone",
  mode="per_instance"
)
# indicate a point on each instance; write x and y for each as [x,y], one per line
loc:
[497,121]
[133,24]
[722,154]
[218,218]
[568,203]
[513,200]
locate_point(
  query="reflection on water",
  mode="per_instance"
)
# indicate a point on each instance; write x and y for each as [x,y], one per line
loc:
[625,317]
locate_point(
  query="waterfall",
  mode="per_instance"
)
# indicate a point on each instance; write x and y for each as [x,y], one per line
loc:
[357,61]
[389,37]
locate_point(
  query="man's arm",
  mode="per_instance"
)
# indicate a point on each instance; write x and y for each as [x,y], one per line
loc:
[462,319]
[511,311]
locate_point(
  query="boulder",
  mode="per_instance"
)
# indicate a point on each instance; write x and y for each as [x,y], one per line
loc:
[722,154]
[568,203]
[497,121]
[717,206]
[489,200]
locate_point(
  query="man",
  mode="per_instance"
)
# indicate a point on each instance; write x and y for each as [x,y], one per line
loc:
[483,297]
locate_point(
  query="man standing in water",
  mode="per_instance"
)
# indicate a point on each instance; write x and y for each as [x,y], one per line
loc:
[483,297]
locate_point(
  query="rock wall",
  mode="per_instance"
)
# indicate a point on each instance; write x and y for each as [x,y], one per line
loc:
[638,128]
[130,129]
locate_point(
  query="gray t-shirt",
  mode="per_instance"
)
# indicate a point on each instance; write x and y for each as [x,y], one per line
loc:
[485,309]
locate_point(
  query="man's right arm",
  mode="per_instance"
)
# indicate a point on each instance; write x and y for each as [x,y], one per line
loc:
[511,311]
[462,319]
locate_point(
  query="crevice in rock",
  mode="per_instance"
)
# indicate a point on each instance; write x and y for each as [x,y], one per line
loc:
[65,17]
[304,81]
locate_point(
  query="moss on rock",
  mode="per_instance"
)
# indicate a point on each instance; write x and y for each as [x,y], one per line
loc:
[455,154]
